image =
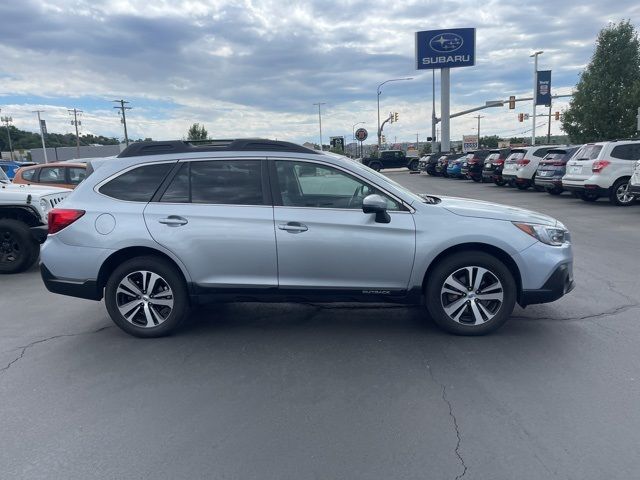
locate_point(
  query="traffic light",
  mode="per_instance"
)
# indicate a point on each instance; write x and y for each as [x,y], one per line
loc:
[395,117]
[521,117]
[512,102]
[557,115]
[391,117]
[383,139]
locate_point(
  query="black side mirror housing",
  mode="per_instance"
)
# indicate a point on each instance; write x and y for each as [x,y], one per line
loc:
[378,205]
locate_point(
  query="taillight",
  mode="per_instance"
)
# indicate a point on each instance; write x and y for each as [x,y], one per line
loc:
[498,162]
[60,218]
[557,164]
[599,165]
[522,163]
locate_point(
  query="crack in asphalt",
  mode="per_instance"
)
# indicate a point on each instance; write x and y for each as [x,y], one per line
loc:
[455,423]
[592,316]
[24,348]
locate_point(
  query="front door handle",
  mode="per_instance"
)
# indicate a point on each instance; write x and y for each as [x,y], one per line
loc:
[293,227]
[173,221]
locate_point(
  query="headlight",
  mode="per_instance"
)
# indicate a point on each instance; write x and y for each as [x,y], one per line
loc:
[44,204]
[556,236]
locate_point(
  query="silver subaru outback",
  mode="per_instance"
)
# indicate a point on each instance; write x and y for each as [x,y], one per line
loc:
[167,225]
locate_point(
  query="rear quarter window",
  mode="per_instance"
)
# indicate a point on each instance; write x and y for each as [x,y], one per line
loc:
[626,152]
[138,184]
[28,174]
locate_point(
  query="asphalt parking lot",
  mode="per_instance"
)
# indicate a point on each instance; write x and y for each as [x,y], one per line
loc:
[263,391]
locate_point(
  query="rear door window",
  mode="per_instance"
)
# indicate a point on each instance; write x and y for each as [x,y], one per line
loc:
[138,184]
[630,151]
[52,175]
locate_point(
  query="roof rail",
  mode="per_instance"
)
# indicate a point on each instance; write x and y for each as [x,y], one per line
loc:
[139,149]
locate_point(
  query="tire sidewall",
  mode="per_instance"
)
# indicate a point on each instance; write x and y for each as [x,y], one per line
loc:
[170,274]
[450,264]
[29,248]
[614,197]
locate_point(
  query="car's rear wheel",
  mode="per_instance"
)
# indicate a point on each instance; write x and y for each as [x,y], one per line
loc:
[588,196]
[620,194]
[554,190]
[413,166]
[377,166]
[476,178]
[470,293]
[499,182]
[147,297]
[18,249]
[522,186]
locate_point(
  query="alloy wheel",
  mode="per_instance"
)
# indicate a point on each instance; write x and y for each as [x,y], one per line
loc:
[472,295]
[144,299]
[623,194]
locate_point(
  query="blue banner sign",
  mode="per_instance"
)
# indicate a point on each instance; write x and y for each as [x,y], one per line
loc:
[543,87]
[455,47]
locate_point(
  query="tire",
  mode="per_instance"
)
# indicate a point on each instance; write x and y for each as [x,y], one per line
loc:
[619,194]
[588,196]
[522,186]
[165,317]
[413,166]
[500,183]
[476,179]
[377,166]
[554,190]
[492,313]
[18,249]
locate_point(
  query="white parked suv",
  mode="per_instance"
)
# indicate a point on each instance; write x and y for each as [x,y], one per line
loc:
[23,222]
[521,165]
[634,184]
[603,169]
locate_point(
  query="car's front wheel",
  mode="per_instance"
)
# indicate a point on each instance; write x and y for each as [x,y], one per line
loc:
[147,297]
[470,293]
[620,194]
[18,249]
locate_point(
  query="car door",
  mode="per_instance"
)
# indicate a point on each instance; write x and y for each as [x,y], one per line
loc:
[325,240]
[216,216]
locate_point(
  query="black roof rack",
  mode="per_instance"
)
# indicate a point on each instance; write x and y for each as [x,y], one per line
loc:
[139,149]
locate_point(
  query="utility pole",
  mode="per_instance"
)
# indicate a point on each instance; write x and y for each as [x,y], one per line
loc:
[319,104]
[535,89]
[418,142]
[75,122]
[122,109]
[44,148]
[549,126]
[478,117]
[7,120]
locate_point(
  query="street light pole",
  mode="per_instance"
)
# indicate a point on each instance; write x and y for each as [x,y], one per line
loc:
[479,117]
[44,148]
[353,133]
[535,88]
[378,95]
[319,104]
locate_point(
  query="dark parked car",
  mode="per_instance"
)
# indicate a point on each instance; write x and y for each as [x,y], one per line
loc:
[493,165]
[472,164]
[391,159]
[428,163]
[443,162]
[552,168]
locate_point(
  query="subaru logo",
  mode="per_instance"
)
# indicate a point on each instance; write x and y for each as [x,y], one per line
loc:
[446,42]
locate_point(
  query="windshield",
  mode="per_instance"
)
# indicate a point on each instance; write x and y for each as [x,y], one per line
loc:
[3,177]
[588,152]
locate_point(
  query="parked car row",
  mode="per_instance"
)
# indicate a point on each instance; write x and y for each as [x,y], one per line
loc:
[605,169]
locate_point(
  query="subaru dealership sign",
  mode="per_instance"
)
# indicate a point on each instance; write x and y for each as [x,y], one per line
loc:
[543,87]
[454,47]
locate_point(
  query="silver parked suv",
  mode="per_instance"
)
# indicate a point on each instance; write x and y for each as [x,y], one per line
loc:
[169,224]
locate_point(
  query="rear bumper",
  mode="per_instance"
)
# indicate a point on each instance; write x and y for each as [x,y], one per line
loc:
[548,181]
[87,289]
[585,188]
[559,284]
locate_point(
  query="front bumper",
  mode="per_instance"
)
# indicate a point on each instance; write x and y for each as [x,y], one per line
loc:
[559,284]
[634,189]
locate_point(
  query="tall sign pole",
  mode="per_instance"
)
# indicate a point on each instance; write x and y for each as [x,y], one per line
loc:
[320,121]
[42,132]
[433,111]
[535,90]
[443,50]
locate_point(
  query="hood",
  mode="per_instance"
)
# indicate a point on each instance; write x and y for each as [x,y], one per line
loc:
[31,189]
[476,208]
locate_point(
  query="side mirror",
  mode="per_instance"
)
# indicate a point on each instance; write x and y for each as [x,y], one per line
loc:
[378,205]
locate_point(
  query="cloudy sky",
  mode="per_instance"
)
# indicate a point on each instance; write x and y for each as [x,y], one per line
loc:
[255,68]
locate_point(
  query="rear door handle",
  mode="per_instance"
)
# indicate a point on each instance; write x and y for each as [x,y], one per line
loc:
[293,227]
[173,221]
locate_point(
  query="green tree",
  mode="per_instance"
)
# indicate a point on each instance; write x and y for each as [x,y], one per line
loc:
[490,141]
[197,132]
[606,99]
